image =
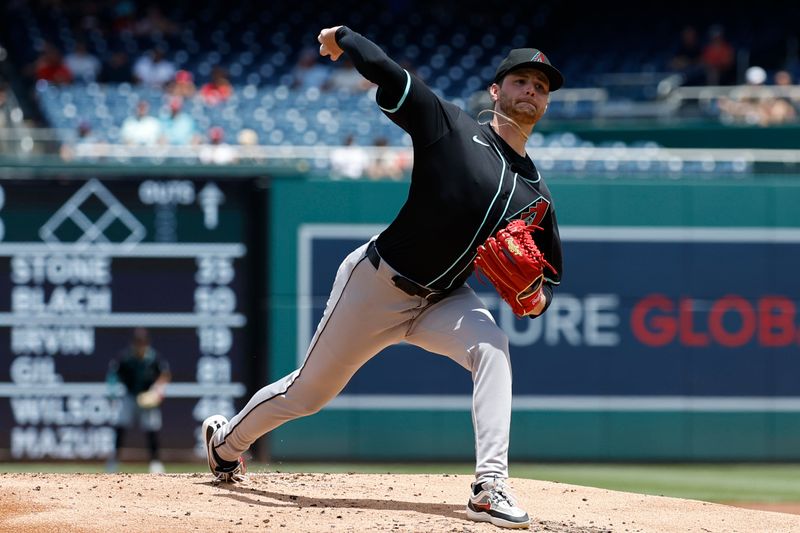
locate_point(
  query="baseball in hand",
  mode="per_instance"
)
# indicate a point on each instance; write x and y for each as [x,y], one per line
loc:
[327,43]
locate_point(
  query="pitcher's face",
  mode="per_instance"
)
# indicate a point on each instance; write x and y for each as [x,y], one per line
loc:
[523,95]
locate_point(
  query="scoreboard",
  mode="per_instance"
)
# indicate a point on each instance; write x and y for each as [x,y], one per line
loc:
[83,263]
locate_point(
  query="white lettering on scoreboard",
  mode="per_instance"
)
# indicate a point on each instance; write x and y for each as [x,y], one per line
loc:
[52,340]
[62,293]
[59,269]
[59,299]
[62,442]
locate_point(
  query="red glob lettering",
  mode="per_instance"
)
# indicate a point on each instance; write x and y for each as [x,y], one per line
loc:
[747,328]
[776,321]
[731,321]
[686,320]
[660,330]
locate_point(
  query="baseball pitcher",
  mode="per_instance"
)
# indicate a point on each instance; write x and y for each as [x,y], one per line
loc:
[476,200]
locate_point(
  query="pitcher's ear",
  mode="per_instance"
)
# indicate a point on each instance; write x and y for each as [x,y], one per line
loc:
[494,91]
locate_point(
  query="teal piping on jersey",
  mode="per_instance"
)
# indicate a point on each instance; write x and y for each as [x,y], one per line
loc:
[402,98]
[537,180]
[505,210]
[473,243]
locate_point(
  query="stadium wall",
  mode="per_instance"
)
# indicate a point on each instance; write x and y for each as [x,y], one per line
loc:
[674,336]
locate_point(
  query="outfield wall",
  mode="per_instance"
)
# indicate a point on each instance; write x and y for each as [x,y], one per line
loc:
[674,335]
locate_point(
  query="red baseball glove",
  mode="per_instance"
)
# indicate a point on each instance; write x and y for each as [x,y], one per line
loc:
[515,266]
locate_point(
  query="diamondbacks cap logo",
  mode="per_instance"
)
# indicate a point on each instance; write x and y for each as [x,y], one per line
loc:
[539,57]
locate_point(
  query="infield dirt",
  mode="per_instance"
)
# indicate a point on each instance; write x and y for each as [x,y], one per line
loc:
[134,503]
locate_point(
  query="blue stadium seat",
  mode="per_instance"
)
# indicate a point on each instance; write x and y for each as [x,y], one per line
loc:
[454,50]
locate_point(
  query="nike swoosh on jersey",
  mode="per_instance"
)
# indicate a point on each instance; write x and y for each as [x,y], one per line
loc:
[475,138]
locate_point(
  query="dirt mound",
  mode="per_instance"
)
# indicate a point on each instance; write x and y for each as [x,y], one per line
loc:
[71,503]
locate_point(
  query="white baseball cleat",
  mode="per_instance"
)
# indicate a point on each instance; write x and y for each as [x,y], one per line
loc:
[491,501]
[224,471]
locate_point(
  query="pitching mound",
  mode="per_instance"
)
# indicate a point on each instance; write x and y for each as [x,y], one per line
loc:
[69,503]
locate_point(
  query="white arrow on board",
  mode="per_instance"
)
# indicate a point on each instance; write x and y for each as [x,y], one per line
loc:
[209,198]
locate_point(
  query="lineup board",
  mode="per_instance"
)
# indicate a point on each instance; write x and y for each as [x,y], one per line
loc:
[83,263]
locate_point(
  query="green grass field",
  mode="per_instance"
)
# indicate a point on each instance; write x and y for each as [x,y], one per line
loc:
[716,483]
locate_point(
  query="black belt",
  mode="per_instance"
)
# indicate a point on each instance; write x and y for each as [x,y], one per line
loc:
[404,284]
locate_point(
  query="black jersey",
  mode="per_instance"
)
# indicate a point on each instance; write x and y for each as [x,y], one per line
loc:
[465,185]
[138,373]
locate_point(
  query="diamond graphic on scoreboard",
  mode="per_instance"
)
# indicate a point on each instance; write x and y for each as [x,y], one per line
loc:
[93,216]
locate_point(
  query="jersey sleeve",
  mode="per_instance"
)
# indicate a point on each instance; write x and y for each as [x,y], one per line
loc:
[402,96]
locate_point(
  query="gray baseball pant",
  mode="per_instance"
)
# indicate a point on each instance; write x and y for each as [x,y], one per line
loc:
[364,314]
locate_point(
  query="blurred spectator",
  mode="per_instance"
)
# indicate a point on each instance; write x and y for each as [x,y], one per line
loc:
[83,65]
[345,77]
[349,161]
[141,129]
[183,85]
[687,58]
[217,152]
[719,58]
[755,76]
[49,66]
[153,69]
[177,127]
[783,78]
[756,104]
[308,72]
[117,69]
[779,111]
[744,104]
[154,23]
[218,89]
[385,163]
[83,146]
[788,106]
[247,137]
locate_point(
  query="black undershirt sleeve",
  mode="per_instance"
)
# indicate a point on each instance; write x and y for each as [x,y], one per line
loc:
[403,97]
[373,63]
[548,293]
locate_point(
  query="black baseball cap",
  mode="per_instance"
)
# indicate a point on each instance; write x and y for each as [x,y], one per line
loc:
[532,58]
